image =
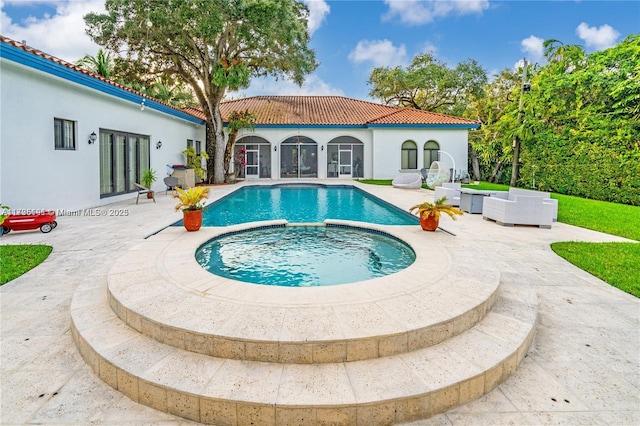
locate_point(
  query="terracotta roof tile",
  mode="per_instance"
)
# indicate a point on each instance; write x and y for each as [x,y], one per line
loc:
[333,110]
[75,67]
[293,110]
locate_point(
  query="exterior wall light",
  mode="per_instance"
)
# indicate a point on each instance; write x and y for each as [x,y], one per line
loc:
[142,105]
[275,148]
[158,144]
[92,137]
[321,147]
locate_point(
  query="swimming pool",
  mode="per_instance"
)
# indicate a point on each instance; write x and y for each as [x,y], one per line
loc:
[303,203]
[304,256]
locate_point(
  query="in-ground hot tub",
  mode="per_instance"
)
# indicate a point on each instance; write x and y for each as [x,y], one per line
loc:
[305,256]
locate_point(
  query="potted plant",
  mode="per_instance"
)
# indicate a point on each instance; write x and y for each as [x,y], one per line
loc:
[194,161]
[191,203]
[429,213]
[147,179]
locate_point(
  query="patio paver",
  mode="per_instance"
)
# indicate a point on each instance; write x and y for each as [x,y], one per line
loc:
[586,350]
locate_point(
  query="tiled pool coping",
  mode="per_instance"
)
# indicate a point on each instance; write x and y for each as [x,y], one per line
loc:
[160,290]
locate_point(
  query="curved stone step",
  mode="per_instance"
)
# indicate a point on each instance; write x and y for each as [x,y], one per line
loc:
[159,289]
[393,389]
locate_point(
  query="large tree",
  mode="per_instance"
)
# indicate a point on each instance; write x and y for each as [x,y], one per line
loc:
[429,84]
[491,146]
[211,45]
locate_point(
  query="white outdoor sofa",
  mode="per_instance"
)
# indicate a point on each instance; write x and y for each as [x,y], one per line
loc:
[521,207]
[451,190]
[546,196]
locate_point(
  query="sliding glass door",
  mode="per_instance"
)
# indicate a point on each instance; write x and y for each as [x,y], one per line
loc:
[123,159]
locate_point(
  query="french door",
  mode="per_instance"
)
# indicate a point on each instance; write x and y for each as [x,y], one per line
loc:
[123,159]
[344,161]
[252,168]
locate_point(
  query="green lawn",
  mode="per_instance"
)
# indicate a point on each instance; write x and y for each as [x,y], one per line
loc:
[615,263]
[15,260]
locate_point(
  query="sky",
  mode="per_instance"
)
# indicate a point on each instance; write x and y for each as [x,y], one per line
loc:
[352,37]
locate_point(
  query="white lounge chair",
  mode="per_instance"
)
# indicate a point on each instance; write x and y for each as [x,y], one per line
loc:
[408,181]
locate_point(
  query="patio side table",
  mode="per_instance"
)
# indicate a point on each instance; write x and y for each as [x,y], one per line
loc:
[472,200]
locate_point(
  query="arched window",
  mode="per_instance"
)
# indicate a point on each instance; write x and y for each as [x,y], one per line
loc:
[345,157]
[298,157]
[409,159]
[257,158]
[431,149]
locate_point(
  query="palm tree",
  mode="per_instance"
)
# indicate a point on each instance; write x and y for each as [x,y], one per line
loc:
[172,94]
[101,64]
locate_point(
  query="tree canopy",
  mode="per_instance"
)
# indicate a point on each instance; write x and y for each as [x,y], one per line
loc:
[210,45]
[579,126]
[428,84]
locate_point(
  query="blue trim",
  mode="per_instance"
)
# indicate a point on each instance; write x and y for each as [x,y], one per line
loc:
[15,54]
[425,126]
[306,126]
[364,126]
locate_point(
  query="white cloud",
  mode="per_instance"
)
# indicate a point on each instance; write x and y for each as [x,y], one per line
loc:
[599,38]
[382,53]
[313,85]
[318,11]
[518,65]
[417,12]
[61,34]
[428,47]
[533,46]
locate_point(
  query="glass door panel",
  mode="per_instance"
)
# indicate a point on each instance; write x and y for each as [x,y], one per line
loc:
[123,159]
[344,162]
[106,163]
[120,164]
[252,167]
[265,161]
[133,169]
[288,161]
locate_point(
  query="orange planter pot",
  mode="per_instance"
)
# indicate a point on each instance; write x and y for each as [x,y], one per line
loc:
[192,219]
[429,222]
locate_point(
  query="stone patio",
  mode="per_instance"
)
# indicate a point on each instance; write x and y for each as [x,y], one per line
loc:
[583,366]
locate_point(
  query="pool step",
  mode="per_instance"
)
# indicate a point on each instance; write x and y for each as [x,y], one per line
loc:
[159,290]
[392,389]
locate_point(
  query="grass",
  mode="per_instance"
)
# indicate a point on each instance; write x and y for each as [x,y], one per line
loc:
[614,263]
[611,218]
[15,260]
[487,186]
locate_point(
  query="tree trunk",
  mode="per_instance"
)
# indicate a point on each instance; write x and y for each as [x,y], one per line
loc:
[215,146]
[495,172]
[475,164]
[515,167]
[228,152]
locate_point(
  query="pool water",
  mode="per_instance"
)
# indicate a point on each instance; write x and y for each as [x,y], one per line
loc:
[303,204]
[304,256]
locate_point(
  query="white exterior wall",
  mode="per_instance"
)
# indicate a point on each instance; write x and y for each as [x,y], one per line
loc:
[382,147]
[388,145]
[34,175]
[322,136]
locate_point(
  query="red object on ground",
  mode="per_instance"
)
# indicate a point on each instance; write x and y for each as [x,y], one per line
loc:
[46,221]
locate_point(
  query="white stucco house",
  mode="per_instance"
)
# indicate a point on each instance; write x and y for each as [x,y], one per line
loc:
[70,139]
